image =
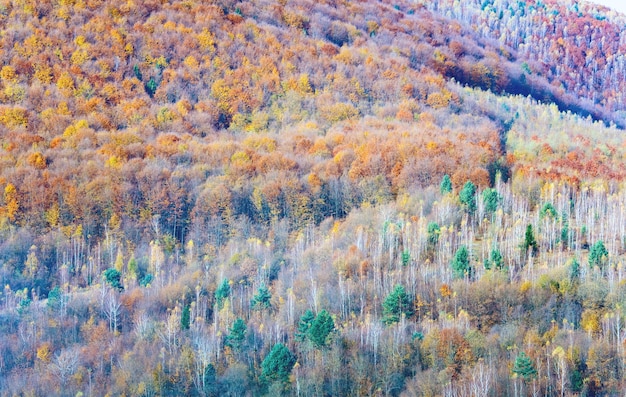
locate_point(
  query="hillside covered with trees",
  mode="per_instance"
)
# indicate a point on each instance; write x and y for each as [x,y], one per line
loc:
[311,198]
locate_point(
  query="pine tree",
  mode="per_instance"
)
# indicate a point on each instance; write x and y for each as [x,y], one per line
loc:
[406,258]
[137,72]
[185,317]
[529,240]
[236,338]
[524,367]
[433,230]
[113,277]
[395,304]
[151,87]
[491,200]
[321,328]
[461,263]
[548,210]
[210,381]
[262,299]
[467,196]
[494,260]
[574,270]
[277,365]
[56,300]
[564,231]
[222,293]
[598,254]
[304,325]
[446,185]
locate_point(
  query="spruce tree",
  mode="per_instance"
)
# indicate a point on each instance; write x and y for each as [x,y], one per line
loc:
[524,367]
[321,328]
[433,231]
[496,259]
[574,270]
[395,304]
[446,185]
[461,263]
[55,299]
[467,196]
[529,240]
[491,200]
[304,325]
[262,299]
[222,293]
[277,365]
[113,278]
[237,336]
[185,317]
[598,254]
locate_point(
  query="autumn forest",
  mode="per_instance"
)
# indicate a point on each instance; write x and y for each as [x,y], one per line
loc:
[312,198]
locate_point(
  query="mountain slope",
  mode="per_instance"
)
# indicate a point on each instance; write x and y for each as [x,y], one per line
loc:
[310,197]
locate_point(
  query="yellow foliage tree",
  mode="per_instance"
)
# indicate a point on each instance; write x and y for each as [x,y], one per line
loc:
[338,112]
[11,202]
[43,352]
[65,84]
[37,160]
[14,117]
[206,40]
[31,267]
[8,74]
[590,321]
[52,215]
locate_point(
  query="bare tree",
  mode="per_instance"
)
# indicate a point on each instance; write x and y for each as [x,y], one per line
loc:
[560,364]
[144,326]
[482,379]
[65,364]
[168,333]
[111,307]
[205,347]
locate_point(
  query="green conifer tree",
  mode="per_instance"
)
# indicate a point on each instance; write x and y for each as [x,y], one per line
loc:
[185,317]
[495,257]
[461,263]
[446,185]
[222,293]
[262,299]
[433,231]
[237,336]
[113,278]
[277,365]
[467,196]
[304,325]
[529,240]
[524,367]
[321,329]
[574,270]
[491,200]
[395,304]
[598,255]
